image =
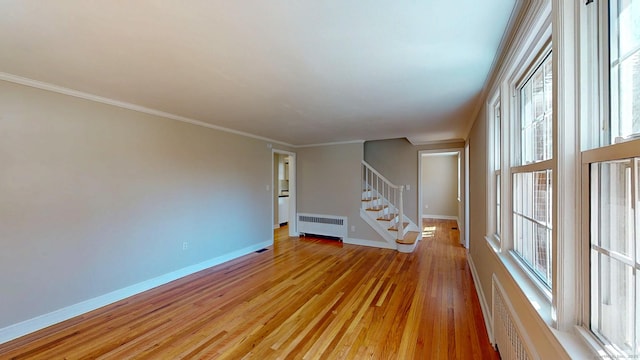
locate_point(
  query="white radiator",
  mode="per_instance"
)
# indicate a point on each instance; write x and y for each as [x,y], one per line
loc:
[510,337]
[327,225]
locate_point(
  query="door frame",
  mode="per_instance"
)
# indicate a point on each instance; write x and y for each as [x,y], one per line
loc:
[293,224]
[462,188]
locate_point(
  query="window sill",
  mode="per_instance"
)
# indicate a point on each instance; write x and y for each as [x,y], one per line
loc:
[540,299]
[494,243]
[573,343]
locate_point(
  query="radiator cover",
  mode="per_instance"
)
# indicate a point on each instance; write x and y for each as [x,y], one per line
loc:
[320,224]
[510,335]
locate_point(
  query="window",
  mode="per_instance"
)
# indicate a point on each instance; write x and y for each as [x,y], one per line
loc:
[614,260]
[611,164]
[624,57]
[494,181]
[532,172]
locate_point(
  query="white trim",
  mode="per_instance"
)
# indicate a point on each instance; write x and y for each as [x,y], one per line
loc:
[590,343]
[293,194]
[565,260]
[461,189]
[488,316]
[417,142]
[576,345]
[445,153]
[467,168]
[125,105]
[445,217]
[495,101]
[329,144]
[40,322]
[371,243]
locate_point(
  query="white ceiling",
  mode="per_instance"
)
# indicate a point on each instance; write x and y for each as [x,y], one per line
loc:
[300,72]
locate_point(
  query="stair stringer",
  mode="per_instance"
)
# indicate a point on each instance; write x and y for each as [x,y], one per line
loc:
[381,227]
[412,227]
[377,226]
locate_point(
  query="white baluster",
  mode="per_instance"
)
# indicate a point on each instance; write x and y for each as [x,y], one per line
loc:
[400,213]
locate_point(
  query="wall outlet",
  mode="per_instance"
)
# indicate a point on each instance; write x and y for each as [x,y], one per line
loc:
[426,206]
[185,245]
[353,228]
[267,187]
[408,187]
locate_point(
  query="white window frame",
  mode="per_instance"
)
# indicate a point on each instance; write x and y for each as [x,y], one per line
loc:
[533,41]
[626,150]
[536,59]
[596,133]
[495,217]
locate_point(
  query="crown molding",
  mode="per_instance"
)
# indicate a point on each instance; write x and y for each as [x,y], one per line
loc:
[129,106]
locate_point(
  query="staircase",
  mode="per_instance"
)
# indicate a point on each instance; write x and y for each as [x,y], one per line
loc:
[382,208]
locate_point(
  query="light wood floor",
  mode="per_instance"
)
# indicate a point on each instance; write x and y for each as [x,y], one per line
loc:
[302,298]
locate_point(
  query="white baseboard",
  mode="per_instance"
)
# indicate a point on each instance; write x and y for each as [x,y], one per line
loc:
[488,319]
[371,243]
[40,322]
[445,217]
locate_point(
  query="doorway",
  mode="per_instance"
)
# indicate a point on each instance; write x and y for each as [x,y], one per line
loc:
[441,189]
[284,190]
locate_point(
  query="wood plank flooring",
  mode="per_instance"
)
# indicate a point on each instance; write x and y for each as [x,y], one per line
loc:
[304,298]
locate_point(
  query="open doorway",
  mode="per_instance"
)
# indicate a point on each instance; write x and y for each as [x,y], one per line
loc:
[284,191]
[441,190]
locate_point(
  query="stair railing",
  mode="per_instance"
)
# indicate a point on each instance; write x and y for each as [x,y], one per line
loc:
[389,194]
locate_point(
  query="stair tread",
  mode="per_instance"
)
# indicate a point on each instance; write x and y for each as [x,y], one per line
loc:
[410,238]
[377,208]
[371,198]
[387,217]
[395,227]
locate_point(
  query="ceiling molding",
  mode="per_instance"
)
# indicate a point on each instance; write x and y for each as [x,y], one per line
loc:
[125,105]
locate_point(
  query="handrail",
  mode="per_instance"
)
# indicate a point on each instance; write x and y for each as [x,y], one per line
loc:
[389,194]
[380,175]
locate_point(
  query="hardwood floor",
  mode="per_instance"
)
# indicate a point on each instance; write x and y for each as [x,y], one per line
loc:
[302,298]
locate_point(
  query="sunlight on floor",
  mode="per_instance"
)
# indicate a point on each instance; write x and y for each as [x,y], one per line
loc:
[428,231]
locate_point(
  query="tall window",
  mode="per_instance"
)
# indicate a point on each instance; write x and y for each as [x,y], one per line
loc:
[612,168]
[497,148]
[532,172]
